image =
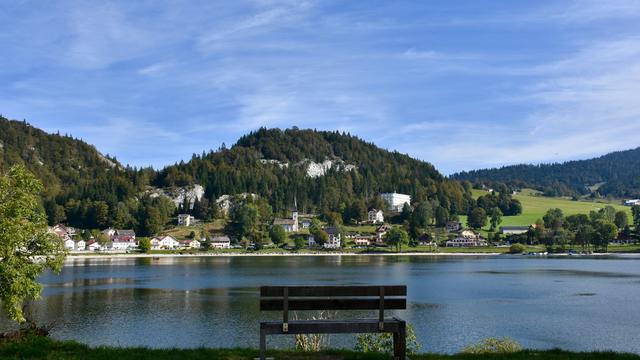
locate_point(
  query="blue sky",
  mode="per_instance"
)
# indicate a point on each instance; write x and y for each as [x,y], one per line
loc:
[463,85]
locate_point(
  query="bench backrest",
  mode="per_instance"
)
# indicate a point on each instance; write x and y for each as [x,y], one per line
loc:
[389,297]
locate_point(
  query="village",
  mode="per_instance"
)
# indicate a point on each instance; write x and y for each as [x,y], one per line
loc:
[369,234]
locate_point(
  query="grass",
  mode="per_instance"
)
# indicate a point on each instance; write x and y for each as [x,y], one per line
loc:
[534,206]
[182,232]
[46,348]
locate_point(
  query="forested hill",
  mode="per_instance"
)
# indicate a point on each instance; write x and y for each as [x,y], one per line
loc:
[70,169]
[326,171]
[616,174]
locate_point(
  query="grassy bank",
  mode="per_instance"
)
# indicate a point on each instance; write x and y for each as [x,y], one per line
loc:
[45,348]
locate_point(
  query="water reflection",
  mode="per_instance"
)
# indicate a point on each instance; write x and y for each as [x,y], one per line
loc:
[213,301]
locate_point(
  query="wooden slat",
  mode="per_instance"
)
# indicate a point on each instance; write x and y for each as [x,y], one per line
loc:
[333,291]
[333,304]
[332,327]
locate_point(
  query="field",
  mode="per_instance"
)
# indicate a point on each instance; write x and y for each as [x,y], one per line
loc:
[182,232]
[535,206]
[45,348]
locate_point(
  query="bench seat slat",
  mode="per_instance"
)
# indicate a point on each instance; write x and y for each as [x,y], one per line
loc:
[332,304]
[332,326]
[333,291]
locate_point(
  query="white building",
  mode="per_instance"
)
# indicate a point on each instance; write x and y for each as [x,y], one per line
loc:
[69,244]
[81,245]
[514,230]
[190,244]
[632,202]
[93,245]
[185,219]
[467,238]
[289,225]
[220,242]
[164,242]
[395,201]
[375,216]
[334,239]
[381,231]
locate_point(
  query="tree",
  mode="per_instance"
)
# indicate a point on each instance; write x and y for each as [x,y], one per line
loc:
[635,211]
[299,242]
[553,219]
[145,245]
[26,247]
[442,216]
[496,218]
[621,219]
[477,218]
[397,237]
[277,234]
[607,231]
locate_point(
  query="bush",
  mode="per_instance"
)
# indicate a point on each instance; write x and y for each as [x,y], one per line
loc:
[517,249]
[383,342]
[494,346]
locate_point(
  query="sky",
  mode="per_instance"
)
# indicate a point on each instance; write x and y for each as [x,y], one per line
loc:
[461,84]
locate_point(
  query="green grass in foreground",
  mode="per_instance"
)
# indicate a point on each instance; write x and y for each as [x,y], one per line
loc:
[45,348]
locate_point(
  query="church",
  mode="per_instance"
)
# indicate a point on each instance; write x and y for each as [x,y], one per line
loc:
[289,225]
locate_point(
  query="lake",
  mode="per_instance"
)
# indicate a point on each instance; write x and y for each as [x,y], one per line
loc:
[571,303]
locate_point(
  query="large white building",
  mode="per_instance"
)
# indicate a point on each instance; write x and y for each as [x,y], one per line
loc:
[396,201]
[375,216]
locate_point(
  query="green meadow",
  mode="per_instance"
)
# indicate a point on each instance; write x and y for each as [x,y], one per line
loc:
[534,206]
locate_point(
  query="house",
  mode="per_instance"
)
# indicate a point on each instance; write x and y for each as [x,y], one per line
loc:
[69,244]
[632,202]
[81,245]
[289,225]
[306,223]
[164,242]
[425,240]
[467,238]
[453,226]
[109,232]
[333,241]
[93,245]
[381,231]
[220,242]
[514,230]
[395,201]
[190,244]
[362,241]
[375,216]
[185,220]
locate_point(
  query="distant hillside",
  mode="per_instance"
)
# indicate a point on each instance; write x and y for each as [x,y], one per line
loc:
[324,170]
[616,174]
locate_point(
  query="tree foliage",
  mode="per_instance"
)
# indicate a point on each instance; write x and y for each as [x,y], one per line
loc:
[26,247]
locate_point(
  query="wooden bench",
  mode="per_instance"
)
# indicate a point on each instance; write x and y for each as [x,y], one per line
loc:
[292,298]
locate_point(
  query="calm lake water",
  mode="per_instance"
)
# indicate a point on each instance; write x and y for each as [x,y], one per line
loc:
[571,303]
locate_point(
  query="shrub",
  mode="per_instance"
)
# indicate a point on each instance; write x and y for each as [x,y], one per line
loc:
[383,343]
[494,346]
[517,249]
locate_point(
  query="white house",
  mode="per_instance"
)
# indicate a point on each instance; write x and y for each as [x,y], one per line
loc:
[164,242]
[109,232]
[381,231]
[333,241]
[362,241]
[375,216]
[81,245]
[632,202]
[185,219]
[395,201]
[92,245]
[69,244]
[306,223]
[467,238]
[452,226]
[220,242]
[190,244]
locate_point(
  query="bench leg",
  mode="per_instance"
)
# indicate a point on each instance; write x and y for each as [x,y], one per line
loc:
[263,344]
[400,344]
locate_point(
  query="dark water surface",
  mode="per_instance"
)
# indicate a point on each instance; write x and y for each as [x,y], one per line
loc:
[571,303]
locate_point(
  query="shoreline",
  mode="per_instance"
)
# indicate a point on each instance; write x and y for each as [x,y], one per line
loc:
[76,256]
